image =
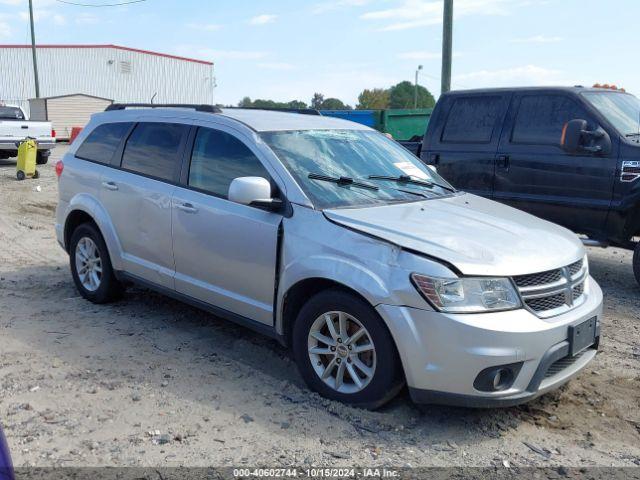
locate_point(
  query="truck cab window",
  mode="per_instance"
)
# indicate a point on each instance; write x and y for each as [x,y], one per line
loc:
[540,119]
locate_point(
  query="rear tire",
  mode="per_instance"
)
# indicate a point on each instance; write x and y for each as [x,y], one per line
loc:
[636,262]
[372,357]
[91,266]
[41,158]
[20,175]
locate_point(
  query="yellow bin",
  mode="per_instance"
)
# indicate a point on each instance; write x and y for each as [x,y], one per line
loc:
[26,166]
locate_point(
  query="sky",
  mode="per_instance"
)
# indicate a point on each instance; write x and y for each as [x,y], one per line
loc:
[288,49]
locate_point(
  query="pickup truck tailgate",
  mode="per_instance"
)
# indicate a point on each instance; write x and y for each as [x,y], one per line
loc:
[19,129]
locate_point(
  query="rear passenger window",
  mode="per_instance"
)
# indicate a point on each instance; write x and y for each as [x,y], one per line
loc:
[218,158]
[541,118]
[472,119]
[153,149]
[102,142]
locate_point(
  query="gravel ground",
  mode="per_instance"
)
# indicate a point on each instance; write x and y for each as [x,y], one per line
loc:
[149,381]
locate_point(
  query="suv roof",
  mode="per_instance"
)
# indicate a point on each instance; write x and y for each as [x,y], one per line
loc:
[257,120]
[574,89]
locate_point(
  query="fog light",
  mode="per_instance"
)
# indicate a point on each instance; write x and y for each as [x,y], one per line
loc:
[498,378]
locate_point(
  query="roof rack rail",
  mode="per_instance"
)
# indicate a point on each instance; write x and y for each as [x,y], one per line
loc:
[197,108]
[302,111]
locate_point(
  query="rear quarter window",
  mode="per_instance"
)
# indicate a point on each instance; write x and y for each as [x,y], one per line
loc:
[472,119]
[153,149]
[103,142]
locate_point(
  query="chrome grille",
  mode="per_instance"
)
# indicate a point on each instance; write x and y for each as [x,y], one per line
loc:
[553,292]
[575,268]
[546,303]
[578,291]
[534,279]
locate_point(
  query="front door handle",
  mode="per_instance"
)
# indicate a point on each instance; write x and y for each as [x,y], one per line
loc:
[187,208]
[503,161]
[110,186]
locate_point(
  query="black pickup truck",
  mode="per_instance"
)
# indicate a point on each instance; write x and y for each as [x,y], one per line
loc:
[570,155]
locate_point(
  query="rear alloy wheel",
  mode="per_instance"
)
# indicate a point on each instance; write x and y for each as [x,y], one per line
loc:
[636,262]
[91,267]
[345,352]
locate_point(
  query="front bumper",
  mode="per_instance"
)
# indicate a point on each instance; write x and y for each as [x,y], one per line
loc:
[442,354]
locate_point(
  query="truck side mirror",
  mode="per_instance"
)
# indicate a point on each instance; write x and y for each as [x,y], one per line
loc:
[576,138]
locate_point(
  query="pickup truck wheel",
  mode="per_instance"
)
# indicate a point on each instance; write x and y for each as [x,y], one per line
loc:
[345,352]
[41,158]
[91,267]
[636,262]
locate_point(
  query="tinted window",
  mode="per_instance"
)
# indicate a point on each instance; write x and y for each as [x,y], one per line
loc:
[102,143]
[11,113]
[541,118]
[472,119]
[218,158]
[153,148]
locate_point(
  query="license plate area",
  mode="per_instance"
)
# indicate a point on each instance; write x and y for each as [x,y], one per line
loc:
[582,336]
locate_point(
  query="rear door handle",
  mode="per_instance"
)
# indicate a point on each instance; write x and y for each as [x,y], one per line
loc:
[503,161]
[187,208]
[110,186]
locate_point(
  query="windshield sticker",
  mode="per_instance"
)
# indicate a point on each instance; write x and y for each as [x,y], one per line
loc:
[412,170]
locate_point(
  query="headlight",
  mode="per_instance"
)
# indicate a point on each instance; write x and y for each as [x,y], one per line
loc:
[468,295]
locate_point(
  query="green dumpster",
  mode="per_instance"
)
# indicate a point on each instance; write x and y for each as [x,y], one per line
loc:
[404,124]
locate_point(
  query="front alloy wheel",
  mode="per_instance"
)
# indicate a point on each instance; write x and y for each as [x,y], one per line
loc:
[345,351]
[342,352]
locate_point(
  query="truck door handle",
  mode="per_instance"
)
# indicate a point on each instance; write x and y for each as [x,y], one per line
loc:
[187,208]
[503,161]
[24,126]
[434,158]
[110,186]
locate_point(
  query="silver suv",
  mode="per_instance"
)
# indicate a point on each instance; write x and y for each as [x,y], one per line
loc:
[338,242]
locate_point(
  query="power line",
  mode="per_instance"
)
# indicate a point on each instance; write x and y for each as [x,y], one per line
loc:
[129,2]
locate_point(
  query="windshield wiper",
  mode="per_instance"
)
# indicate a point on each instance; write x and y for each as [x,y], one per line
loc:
[635,134]
[342,181]
[410,180]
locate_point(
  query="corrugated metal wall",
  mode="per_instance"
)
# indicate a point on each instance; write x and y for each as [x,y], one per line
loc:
[125,76]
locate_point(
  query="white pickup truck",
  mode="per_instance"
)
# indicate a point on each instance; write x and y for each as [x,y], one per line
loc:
[14,127]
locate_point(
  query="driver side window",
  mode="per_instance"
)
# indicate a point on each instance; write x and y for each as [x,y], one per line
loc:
[541,118]
[217,159]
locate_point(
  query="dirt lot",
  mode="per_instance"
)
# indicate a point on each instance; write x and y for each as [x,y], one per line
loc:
[149,381]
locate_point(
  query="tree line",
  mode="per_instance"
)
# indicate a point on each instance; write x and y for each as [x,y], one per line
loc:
[397,96]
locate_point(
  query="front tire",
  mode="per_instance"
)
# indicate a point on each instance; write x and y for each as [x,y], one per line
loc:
[636,262]
[91,266]
[345,352]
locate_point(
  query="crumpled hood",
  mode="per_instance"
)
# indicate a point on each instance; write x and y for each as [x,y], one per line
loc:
[476,235]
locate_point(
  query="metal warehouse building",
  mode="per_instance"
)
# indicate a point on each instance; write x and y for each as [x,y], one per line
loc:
[110,72]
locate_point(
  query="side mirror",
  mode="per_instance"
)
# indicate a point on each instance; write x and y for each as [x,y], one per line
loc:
[254,191]
[577,139]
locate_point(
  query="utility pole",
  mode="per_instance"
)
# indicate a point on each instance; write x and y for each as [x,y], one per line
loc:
[447,40]
[33,50]
[415,92]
